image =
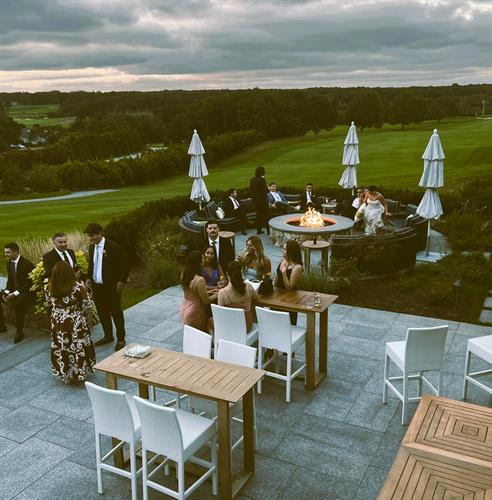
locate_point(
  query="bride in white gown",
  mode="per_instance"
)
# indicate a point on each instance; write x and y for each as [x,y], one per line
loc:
[374,210]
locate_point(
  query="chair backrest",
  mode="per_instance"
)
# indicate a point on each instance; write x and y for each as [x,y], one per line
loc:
[114,412]
[274,329]
[237,354]
[229,324]
[424,349]
[196,342]
[161,432]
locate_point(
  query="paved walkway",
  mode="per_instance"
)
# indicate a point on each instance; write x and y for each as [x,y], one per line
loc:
[336,442]
[78,194]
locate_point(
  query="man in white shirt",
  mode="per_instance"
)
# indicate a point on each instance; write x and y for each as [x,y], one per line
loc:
[308,198]
[223,247]
[18,292]
[233,208]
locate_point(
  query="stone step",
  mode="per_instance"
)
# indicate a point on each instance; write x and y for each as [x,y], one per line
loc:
[486,317]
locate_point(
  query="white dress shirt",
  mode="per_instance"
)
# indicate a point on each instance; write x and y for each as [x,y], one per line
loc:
[235,203]
[98,261]
[69,259]
[356,203]
[276,196]
[309,198]
[16,261]
[216,245]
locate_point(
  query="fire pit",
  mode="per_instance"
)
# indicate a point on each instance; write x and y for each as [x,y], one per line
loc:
[309,226]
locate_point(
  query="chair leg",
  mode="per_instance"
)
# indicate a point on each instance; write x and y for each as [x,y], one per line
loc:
[419,385]
[385,387]
[289,377]
[181,480]
[256,427]
[98,464]
[405,397]
[260,366]
[439,383]
[215,475]
[467,370]
[133,470]
[144,474]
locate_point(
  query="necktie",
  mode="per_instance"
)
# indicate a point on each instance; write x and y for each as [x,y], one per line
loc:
[96,263]
[14,277]
[65,258]
[236,203]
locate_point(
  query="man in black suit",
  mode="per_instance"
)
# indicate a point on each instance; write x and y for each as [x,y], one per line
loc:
[233,208]
[259,192]
[107,276]
[60,252]
[223,246]
[308,198]
[18,293]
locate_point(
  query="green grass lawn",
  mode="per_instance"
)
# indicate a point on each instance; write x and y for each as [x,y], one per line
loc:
[388,156]
[37,115]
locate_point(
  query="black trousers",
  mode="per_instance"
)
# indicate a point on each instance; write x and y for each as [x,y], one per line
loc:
[242,215]
[19,305]
[262,215]
[108,305]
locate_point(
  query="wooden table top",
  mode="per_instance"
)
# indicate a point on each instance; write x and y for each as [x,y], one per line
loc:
[296,300]
[446,453]
[319,245]
[227,234]
[181,372]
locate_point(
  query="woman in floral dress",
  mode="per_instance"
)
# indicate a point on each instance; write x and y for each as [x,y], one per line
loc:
[72,351]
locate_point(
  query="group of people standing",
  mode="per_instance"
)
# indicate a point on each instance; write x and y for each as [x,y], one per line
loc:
[71,296]
[215,275]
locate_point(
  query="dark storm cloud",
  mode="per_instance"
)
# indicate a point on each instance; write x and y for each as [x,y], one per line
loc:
[157,43]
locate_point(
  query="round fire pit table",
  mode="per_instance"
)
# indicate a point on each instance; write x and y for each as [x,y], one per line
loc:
[286,227]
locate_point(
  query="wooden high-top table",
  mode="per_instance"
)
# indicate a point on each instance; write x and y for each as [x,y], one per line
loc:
[445,454]
[302,302]
[206,378]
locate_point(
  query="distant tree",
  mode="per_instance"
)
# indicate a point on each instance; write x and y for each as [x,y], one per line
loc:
[9,131]
[12,179]
[443,107]
[406,108]
[366,110]
[44,179]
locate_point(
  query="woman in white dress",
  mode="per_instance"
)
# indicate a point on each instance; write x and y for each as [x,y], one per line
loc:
[375,209]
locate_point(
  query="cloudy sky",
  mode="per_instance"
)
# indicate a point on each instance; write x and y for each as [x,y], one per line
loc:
[190,44]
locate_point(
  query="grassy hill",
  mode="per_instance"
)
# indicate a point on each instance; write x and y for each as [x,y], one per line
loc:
[37,114]
[389,157]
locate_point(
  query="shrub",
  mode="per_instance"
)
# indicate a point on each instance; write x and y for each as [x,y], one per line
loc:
[160,252]
[468,230]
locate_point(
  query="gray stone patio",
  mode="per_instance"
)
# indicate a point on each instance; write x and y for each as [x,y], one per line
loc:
[336,442]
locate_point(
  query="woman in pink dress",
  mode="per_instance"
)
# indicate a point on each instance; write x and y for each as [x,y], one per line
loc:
[196,295]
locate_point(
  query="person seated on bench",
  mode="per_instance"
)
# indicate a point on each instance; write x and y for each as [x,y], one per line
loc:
[233,208]
[277,201]
[308,198]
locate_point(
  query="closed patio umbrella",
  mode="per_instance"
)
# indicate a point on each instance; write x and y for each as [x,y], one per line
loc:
[198,170]
[350,159]
[432,178]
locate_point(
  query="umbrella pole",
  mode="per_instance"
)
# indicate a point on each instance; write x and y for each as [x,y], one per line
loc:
[428,236]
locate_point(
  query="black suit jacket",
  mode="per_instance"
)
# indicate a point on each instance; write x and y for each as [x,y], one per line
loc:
[259,191]
[304,202]
[226,252]
[51,258]
[229,207]
[21,281]
[115,267]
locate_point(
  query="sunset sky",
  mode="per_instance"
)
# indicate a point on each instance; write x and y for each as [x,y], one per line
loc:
[190,44]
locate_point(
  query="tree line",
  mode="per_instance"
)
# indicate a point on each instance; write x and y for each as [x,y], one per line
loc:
[115,123]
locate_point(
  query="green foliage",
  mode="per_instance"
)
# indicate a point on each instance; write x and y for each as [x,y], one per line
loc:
[469,230]
[9,131]
[44,179]
[160,250]
[407,108]
[343,275]
[367,110]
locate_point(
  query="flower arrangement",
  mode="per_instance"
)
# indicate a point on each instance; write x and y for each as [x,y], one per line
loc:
[39,281]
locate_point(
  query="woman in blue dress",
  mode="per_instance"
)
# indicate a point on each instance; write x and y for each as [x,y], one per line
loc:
[210,269]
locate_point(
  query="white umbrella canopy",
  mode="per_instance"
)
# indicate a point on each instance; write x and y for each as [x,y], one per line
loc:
[432,178]
[199,193]
[350,159]
[198,170]
[433,175]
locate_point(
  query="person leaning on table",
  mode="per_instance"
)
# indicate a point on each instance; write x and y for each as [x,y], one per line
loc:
[289,271]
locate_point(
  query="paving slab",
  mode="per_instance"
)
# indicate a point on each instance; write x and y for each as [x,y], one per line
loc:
[25,422]
[486,317]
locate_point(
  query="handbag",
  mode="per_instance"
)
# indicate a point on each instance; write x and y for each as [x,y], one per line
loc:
[266,286]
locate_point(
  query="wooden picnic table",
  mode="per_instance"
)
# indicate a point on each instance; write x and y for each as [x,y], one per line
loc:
[445,454]
[302,302]
[221,382]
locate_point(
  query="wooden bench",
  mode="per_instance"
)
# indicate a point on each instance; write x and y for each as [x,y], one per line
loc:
[445,454]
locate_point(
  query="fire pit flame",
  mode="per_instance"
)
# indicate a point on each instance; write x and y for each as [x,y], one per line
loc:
[312,218]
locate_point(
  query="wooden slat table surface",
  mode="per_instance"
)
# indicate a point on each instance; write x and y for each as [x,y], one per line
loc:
[221,382]
[302,301]
[445,454]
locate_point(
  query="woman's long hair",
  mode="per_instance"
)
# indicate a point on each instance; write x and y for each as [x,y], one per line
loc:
[62,280]
[235,276]
[215,263]
[191,268]
[259,255]
[293,252]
